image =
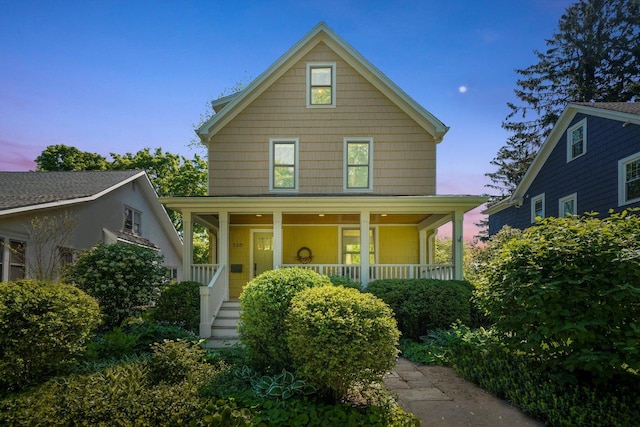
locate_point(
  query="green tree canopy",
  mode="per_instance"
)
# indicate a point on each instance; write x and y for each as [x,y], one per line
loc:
[64,158]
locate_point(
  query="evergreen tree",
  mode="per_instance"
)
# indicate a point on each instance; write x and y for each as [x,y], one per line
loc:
[594,56]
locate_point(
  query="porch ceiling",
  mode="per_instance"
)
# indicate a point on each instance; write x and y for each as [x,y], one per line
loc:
[295,219]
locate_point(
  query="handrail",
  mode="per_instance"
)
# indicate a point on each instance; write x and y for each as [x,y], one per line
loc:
[211,298]
[383,271]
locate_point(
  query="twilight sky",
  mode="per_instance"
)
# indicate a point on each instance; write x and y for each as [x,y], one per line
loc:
[118,76]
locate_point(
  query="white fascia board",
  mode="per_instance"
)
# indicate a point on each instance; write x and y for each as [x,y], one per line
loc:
[418,113]
[328,204]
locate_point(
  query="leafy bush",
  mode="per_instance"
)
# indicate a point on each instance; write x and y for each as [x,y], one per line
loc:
[422,305]
[125,279]
[172,361]
[568,292]
[265,303]
[479,357]
[340,337]
[179,304]
[44,328]
[128,394]
[345,281]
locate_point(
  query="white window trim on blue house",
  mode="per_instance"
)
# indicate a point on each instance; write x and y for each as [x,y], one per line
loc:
[561,205]
[539,197]
[622,180]
[581,124]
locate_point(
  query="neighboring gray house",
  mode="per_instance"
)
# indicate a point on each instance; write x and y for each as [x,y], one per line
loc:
[590,162]
[108,207]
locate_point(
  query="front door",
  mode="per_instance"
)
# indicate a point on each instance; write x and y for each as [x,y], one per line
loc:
[262,252]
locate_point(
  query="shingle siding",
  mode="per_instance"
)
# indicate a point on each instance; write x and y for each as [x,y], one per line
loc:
[593,176]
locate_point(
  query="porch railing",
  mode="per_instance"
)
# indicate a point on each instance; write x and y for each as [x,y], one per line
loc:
[211,296]
[383,271]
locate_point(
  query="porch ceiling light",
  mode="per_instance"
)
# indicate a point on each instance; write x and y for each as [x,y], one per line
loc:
[320,214]
[258,214]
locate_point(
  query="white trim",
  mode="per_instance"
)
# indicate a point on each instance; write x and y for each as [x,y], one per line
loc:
[296,165]
[571,197]
[331,65]
[357,227]
[581,124]
[533,207]
[622,163]
[345,170]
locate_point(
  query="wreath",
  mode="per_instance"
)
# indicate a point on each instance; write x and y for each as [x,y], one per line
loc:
[304,255]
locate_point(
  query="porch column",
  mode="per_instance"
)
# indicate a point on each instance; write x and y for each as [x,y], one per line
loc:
[425,250]
[187,244]
[223,249]
[277,239]
[364,248]
[431,245]
[458,245]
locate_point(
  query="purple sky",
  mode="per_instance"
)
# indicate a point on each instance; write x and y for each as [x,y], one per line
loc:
[118,76]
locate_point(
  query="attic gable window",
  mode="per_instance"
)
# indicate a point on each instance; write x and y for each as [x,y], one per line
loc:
[283,159]
[321,88]
[629,180]
[577,140]
[132,221]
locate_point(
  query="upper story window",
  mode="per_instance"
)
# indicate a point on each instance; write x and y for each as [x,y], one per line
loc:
[283,159]
[132,220]
[577,140]
[568,205]
[321,84]
[537,207]
[358,164]
[629,179]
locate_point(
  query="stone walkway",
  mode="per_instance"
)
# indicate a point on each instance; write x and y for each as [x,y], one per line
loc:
[439,397]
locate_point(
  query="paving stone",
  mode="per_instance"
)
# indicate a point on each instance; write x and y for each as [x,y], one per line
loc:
[420,394]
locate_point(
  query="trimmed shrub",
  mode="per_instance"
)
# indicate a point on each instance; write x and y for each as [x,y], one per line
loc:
[265,303]
[340,337]
[568,292]
[172,361]
[124,279]
[345,281]
[423,305]
[44,328]
[179,304]
[123,395]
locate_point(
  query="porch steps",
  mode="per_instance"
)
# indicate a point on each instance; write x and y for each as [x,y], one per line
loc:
[224,331]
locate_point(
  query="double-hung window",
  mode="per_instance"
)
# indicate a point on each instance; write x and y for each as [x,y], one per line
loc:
[358,164]
[537,207]
[577,140]
[321,84]
[17,250]
[629,179]
[351,246]
[568,205]
[283,164]
[132,220]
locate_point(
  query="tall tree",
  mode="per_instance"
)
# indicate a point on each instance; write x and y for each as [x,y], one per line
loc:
[64,158]
[594,56]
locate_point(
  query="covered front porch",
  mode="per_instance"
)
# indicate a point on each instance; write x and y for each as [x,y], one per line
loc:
[364,238]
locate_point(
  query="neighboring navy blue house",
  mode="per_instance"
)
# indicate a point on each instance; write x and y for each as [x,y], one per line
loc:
[589,163]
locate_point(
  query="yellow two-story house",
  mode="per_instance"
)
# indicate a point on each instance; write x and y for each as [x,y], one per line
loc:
[321,162]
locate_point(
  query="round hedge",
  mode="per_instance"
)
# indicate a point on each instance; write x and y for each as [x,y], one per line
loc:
[265,302]
[339,337]
[44,327]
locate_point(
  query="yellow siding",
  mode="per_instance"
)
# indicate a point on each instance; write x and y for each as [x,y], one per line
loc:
[240,253]
[398,245]
[322,241]
[404,153]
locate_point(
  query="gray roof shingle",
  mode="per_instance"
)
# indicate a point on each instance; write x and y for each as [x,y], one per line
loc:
[21,189]
[621,107]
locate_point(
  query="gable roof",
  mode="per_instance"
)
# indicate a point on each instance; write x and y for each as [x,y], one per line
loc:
[235,103]
[23,191]
[625,112]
